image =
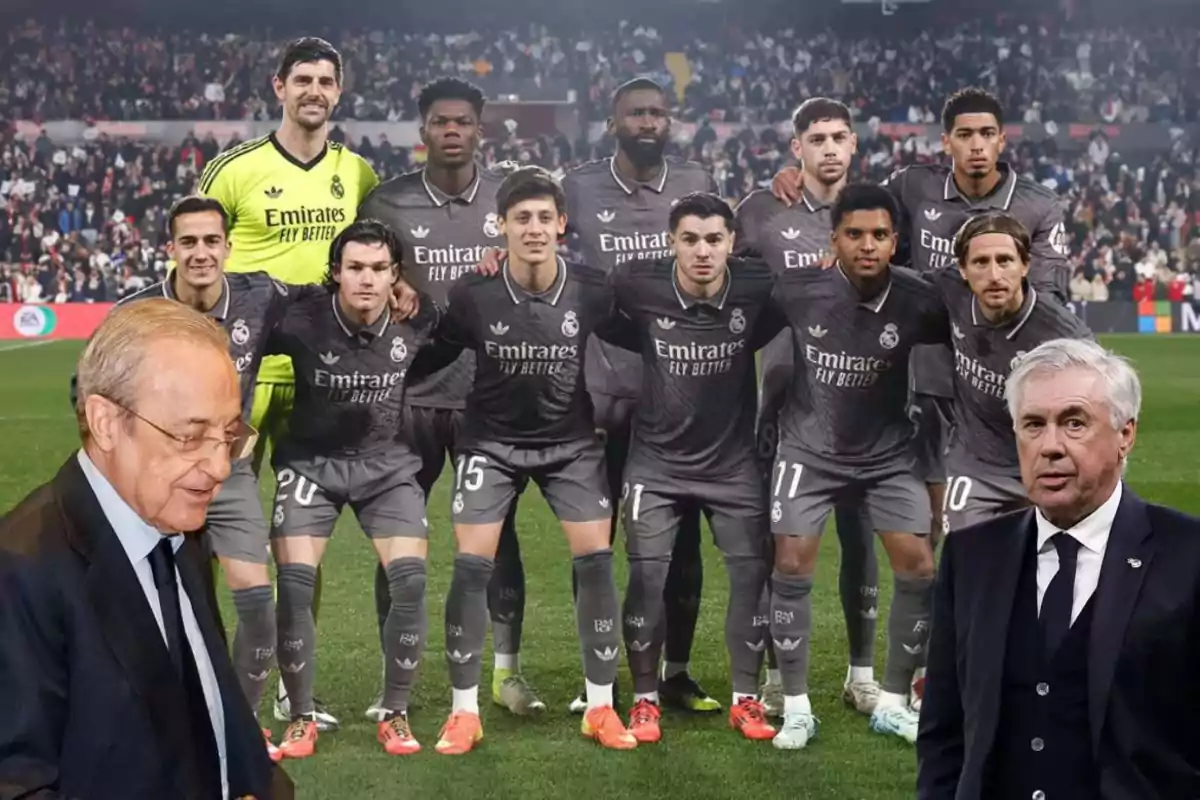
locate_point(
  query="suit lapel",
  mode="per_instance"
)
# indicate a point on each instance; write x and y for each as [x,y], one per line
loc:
[1000,569]
[245,752]
[124,616]
[1126,561]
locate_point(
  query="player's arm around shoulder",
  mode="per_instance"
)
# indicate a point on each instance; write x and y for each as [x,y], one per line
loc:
[756,282]
[750,217]
[932,313]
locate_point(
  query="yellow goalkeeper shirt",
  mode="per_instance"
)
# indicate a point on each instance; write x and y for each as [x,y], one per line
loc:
[284,213]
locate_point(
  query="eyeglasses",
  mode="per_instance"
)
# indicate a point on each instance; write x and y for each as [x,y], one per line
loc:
[239,445]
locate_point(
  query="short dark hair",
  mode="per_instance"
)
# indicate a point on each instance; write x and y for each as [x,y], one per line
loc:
[308,50]
[526,183]
[702,205]
[864,197]
[364,231]
[819,109]
[450,89]
[971,100]
[993,222]
[642,84]
[196,204]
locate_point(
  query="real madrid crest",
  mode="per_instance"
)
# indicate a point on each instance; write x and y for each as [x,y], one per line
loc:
[336,189]
[776,511]
[1016,359]
[399,349]
[239,333]
[570,326]
[491,225]
[459,503]
[737,321]
[890,337]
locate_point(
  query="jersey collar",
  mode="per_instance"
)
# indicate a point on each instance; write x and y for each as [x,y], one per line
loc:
[875,304]
[440,198]
[1018,322]
[520,295]
[351,329]
[218,312]
[687,302]
[304,165]
[999,198]
[656,187]
[811,203]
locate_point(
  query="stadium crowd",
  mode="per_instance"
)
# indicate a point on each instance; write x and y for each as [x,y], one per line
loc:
[84,224]
[1040,73]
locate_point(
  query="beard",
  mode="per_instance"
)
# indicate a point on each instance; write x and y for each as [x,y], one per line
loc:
[642,154]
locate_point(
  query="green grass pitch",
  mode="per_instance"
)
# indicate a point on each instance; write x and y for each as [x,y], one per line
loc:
[546,758]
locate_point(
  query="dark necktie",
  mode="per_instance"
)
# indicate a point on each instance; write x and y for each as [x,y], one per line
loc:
[162,566]
[1060,594]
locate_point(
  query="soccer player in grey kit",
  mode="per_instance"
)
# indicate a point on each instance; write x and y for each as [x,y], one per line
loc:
[528,328]
[617,210]
[445,217]
[797,237]
[845,434]
[344,447]
[248,305]
[936,200]
[700,319]
[996,317]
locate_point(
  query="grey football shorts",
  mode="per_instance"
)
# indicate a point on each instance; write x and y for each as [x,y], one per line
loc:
[933,417]
[488,476]
[653,502]
[236,525]
[381,489]
[802,497]
[974,496]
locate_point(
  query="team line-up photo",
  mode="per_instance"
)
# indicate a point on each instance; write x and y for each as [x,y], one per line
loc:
[668,369]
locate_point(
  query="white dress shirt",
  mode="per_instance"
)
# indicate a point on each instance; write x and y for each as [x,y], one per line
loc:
[1092,533]
[138,539]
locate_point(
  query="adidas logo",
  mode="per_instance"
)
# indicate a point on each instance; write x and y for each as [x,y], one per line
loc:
[329,359]
[499,328]
[504,618]
[788,645]
[606,216]
[958,334]
[639,647]
[604,502]
[419,232]
[457,657]
[292,669]
[258,677]
[665,324]
[932,214]
[817,332]
[407,663]
[273,193]
[757,647]
[915,650]
[607,654]
[790,234]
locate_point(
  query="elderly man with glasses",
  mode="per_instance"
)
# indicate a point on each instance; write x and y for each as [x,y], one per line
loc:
[113,674]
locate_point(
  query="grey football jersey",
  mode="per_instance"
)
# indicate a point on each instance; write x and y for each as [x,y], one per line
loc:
[696,414]
[984,355]
[613,220]
[251,304]
[934,211]
[444,237]
[849,404]
[786,238]
[529,385]
[349,380]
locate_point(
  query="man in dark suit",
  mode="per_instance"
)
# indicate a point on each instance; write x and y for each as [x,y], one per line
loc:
[114,681]
[1066,638]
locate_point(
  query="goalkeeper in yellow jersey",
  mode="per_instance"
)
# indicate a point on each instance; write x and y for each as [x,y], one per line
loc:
[288,194]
